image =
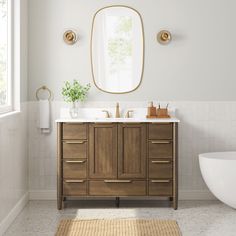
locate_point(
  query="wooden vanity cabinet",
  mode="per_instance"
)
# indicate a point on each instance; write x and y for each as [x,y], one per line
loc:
[102,151]
[117,159]
[132,151]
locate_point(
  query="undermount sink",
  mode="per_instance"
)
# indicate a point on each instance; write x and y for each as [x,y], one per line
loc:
[118,119]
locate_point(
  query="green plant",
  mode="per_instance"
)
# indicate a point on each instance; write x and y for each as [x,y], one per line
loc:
[73,92]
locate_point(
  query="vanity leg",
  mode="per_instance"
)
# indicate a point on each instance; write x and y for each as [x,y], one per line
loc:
[117,202]
[175,203]
[59,204]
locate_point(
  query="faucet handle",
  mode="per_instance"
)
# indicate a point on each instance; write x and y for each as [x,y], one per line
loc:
[107,113]
[128,113]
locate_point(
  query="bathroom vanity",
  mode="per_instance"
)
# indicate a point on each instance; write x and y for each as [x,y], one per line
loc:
[117,158]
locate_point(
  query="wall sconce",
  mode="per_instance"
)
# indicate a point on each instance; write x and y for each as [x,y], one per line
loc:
[70,37]
[164,37]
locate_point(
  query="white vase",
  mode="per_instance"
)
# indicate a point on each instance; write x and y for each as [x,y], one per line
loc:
[74,110]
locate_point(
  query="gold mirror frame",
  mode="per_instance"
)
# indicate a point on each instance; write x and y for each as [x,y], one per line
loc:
[91,53]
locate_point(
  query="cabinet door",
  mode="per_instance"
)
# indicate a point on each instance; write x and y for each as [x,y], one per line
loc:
[132,150]
[103,151]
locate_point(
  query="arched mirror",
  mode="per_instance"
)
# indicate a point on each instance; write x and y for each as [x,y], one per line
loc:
[117,49]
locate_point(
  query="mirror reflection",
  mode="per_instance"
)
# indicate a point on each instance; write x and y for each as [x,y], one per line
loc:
[117,49]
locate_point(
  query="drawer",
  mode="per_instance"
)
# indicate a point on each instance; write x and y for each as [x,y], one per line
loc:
[117,188]
[160,169]
[74,131]
[75,149]
[160,149]
[160,188]
[74,169]
[74,187]
[160,131]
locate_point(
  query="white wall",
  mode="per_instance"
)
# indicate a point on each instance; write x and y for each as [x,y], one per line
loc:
[13,165]
[14,139]
[198,65]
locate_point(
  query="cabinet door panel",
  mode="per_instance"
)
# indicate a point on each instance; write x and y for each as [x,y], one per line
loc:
[160,188]
[74,149]
[161,149]
[103,188]
[102,151]
[76,188]
[160,131]
[160,169]
[74,131]
[74,169]
[132,151]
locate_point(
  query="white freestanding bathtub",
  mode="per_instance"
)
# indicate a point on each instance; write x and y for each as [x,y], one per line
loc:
[219,172]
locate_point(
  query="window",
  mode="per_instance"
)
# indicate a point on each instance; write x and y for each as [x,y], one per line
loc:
[6,81]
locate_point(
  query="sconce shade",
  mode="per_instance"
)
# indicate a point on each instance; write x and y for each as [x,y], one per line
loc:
[70,37]
[164,37]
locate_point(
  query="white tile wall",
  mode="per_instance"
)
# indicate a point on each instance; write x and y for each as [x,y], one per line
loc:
[204,127]
[13,160]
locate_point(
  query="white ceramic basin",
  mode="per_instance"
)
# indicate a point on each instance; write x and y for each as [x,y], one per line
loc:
[219,172]
[117,119]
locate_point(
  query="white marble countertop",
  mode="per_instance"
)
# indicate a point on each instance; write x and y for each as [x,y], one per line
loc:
[118,120]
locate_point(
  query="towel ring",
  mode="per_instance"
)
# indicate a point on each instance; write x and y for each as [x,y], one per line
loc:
[44,88]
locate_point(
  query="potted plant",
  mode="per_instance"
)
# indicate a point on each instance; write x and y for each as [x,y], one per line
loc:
[73,93]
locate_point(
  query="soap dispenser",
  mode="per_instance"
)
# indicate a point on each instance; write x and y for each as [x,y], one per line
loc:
[117,110]
[151,111]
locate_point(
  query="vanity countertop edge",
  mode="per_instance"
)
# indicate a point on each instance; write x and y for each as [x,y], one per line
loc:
[118,120]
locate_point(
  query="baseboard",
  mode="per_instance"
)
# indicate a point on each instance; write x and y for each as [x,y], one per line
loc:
[183,195]
[7,221]
[43,195]
[196,195]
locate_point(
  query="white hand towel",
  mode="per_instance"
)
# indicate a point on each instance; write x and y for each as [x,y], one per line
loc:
[44,116]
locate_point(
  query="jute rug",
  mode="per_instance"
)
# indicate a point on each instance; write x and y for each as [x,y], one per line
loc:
[120,227]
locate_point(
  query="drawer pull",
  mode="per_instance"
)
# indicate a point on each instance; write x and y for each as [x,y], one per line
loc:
[117,181]
[74,181]
[74,162]
[74,142]
[160,181]
[161,162]
[161,142]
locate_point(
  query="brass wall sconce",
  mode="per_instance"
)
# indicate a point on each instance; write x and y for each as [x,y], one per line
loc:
[164,37]
[70,37]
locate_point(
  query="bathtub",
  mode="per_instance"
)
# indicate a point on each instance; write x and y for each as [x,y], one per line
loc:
[219,172]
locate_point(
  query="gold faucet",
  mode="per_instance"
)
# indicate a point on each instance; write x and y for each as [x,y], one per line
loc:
[117,110]
[128,115]
[107,113]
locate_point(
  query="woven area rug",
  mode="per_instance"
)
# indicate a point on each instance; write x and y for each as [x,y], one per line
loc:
[120,227]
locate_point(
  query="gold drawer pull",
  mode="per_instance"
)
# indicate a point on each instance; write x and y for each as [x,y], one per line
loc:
[161,162]
[161,142]
[75,142]
[73,162]
[161,181]
[117,181]
[74,181]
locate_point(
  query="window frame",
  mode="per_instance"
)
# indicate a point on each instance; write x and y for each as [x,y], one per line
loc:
[9,107]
